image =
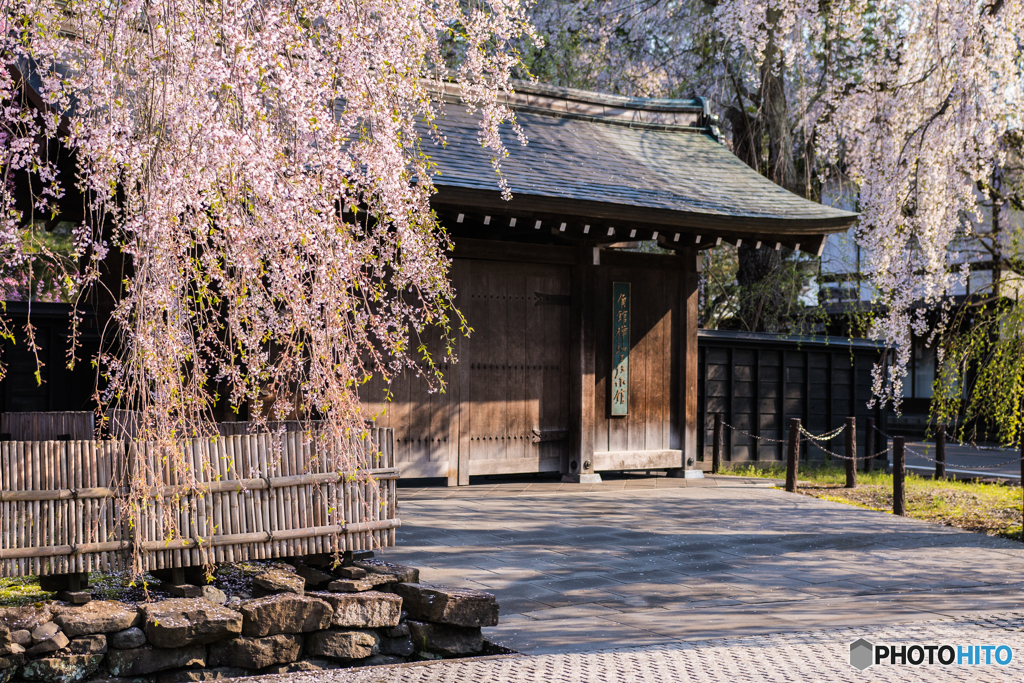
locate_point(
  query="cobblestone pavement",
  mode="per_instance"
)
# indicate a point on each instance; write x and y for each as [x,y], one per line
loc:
[644,561]
[801,656]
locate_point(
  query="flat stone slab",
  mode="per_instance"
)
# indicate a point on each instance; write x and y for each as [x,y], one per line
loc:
[189,621]
[451,641]
[147,660]
[278,581]
[342,644]
[285,613]
[445,605]
[256,653]
[369,609]
[61,669]
[98,616]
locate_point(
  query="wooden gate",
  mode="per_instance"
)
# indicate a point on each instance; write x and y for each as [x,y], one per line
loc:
[506,407]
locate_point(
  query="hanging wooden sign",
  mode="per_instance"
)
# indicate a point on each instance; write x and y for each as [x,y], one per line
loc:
[620,348]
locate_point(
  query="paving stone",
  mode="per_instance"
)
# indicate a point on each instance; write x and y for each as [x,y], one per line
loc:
[369,609]
[400,572]
[445,639]
[285,613]
[148,659]
[98,616]
[25,617]
[213,594]
[277,581]
[61,669]
[343,644]
[302,666]
[55,642]
[200,675]
[444,605]
[256,653]
[350,586]
[44,632]
[180,622]
[95,644]
[127,639]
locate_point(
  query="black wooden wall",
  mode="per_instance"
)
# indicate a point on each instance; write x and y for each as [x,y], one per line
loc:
[61,389]
[759,381]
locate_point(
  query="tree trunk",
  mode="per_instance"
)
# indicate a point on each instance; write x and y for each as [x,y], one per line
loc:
[759,304]
[775,112]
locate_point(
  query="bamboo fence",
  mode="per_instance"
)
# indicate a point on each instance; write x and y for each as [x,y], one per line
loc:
[72,506]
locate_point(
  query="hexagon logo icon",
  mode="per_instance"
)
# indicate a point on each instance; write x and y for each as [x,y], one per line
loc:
[862,654]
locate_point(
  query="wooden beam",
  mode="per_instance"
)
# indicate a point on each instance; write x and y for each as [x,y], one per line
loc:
[494,250]
[637,460]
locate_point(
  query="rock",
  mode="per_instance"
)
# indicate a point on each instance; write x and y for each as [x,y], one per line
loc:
[98,616]
[9,666]
[444,639]
[342,644]
[95,644]
[397,646]
[350,572]
[419,656]
[315,578]
[15,649]
[189,621]
[27,617]
[349,586]
[214,595]
[301,666]
[61,669]
[399,631]
[256,653]
[370,609]
[443,605]
[382,660]
[197,675]
[285,613]
[149,659]
[277,581]
[44,632]
[127,639]
[5,639]
[401,572]
[57,641]
[22,637]
[104,677]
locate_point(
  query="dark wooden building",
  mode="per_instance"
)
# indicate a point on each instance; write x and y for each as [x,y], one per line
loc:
[584,355]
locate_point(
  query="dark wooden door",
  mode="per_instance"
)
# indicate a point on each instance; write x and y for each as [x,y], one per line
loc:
[514,367]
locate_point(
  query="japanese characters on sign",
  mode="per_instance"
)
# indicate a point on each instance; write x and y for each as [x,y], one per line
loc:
[620,348]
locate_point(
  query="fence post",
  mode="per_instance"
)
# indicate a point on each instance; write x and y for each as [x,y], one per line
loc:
[869,443]
[940,452]
[791,455]
[899,470]
[851,452]
[716,449]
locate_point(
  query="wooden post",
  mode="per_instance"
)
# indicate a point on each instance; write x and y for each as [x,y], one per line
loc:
[791,455]
[687,330]
[716,452]
[869,443]
[940,452]
[899,470]
[851,452]
[579,466]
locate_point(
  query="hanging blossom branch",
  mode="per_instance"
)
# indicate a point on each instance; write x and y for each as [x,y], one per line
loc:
[911,103]
[257,167]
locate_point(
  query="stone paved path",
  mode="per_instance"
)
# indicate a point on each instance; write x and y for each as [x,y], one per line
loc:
[645,561]
[801,656]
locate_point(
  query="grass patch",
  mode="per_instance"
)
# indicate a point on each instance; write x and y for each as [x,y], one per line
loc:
[985,507]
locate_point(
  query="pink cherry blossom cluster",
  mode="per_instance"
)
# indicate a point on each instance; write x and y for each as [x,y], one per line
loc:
[907,98]
[257,179]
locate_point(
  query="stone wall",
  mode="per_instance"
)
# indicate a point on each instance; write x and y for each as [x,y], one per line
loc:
[374,613]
